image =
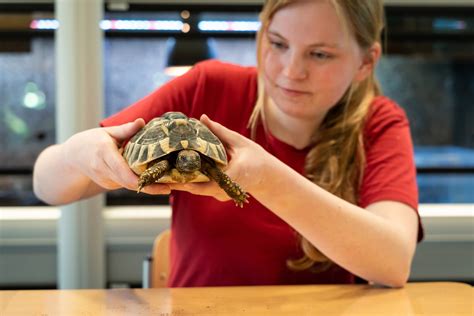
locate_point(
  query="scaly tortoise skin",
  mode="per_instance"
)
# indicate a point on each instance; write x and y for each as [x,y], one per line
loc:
[173,148]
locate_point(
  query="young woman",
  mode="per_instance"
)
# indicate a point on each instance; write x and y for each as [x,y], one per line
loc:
[327,160]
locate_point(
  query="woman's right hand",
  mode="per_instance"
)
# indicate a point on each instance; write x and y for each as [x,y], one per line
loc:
[97,154]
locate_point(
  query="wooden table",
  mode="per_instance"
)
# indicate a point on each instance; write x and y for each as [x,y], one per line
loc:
[439,298]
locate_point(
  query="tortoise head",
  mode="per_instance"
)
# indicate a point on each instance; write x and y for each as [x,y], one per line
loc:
[188,161]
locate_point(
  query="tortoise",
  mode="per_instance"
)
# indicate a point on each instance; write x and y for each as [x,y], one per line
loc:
[174,148]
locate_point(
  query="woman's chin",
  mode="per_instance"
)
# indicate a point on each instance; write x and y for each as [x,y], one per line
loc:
[294,110]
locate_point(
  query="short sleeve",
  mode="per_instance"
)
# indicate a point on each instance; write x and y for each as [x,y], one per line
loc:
[390,171]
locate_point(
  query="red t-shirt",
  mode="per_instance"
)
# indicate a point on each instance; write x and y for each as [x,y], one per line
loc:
[215,243]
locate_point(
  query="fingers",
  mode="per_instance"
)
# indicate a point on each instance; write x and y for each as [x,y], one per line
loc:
[227,136]
[201,188]
[116,167]
[119,170]
[105,164]
[125,131]
[157,188]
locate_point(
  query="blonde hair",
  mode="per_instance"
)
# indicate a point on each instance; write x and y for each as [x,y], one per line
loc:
[337,158]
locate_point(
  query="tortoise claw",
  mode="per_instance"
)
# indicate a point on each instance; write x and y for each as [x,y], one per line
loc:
[141,184]
[240,202]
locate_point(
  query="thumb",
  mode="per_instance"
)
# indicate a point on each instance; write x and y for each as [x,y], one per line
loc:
[227,136]
[125,131]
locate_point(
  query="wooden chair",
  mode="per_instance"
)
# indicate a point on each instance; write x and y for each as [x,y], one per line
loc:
[156,266]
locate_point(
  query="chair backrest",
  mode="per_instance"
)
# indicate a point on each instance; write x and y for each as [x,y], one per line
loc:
[160,260]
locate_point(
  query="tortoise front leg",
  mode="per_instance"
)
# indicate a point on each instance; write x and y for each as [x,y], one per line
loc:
[233,190]
[155,171]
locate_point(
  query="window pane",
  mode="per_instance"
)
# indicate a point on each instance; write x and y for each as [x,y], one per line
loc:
[26,103]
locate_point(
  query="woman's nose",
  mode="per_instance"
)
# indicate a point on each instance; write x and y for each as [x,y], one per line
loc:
[294,66]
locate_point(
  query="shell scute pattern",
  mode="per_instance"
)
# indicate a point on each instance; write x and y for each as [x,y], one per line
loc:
[169,133]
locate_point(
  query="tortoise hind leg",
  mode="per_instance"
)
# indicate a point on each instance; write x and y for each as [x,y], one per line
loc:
[153,173]
[233,190]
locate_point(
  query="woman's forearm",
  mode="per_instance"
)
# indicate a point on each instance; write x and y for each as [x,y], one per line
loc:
[55,182]
[362,242]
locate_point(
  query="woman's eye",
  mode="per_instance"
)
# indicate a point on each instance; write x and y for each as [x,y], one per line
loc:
[277,45]
[320,55]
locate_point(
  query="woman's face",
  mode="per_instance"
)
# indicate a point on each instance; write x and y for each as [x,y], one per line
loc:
[308,59]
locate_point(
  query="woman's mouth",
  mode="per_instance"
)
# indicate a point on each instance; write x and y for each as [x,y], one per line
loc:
[292,92]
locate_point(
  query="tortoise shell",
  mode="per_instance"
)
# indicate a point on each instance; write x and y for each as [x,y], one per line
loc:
[170,133]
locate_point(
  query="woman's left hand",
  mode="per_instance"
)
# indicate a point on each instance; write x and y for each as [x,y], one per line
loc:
[247,161]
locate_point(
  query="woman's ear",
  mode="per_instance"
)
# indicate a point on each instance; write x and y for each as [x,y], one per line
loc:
[369,60]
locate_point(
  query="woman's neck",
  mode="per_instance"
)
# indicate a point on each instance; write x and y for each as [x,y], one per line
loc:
[290,130]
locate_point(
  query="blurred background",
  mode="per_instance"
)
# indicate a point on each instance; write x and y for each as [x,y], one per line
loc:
[428,68]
